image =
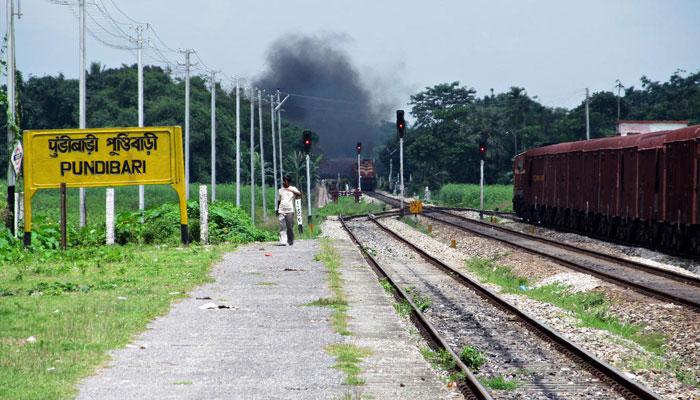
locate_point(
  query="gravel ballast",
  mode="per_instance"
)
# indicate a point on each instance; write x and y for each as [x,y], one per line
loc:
[680,325]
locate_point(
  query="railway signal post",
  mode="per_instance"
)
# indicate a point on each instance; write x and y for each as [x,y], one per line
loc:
[401,129]
[307,150]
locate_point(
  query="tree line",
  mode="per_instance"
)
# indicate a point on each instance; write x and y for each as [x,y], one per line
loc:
[51,102]
[449,121]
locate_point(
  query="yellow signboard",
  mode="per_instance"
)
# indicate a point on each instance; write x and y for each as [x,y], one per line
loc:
[416,207]
[103,157]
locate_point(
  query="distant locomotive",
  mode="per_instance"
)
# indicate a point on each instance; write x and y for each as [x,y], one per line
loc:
[346,169]
[642,189]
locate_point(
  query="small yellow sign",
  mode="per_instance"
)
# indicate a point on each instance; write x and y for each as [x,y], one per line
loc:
[103,157]
[416,207]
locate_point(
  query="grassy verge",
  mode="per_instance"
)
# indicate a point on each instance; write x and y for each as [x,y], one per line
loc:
[346,206]
[338,303]
[467,195]
[77,305]
[590,308]
[347,355]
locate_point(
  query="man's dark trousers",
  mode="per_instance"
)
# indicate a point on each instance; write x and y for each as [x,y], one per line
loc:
[287,222]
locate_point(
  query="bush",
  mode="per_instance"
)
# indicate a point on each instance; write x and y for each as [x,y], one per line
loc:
[227,223]
[161,225]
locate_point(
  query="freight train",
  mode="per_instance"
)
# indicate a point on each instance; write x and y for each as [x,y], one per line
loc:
[641,189]
[344,170]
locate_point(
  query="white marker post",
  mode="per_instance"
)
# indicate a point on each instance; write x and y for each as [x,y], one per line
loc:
[203,215]
[109,218]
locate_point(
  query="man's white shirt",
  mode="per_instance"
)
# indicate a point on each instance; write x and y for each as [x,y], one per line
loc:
[286,196]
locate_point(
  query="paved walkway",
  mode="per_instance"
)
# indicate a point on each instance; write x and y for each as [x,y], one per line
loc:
[270,346]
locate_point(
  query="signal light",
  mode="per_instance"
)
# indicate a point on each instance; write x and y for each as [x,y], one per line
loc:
[359,147]
[482,149]
[400,123]
[307,142]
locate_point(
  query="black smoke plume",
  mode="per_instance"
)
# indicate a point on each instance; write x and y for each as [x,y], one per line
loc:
[328,95]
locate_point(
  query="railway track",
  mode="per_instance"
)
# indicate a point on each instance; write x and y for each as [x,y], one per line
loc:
[656,282]
[467,312]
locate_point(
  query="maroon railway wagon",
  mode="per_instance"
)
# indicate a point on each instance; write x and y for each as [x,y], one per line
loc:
[642,189]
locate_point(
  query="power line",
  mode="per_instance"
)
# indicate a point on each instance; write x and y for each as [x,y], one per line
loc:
[123,13]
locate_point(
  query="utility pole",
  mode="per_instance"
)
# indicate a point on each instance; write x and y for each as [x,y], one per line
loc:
[188,65]
[619,86]
[238,143]
[279,129]
[588,122]
[252,153]
[279,134]
[262,156]
[274,145]
[213,136]
[139,58]
[11,118]
[81,102]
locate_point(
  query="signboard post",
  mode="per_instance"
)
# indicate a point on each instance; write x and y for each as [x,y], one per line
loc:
[105,157]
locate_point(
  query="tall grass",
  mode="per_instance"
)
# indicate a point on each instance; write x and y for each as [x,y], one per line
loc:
[467,195]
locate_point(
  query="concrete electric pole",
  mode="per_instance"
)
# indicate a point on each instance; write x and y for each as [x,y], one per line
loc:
[262,156]
[238,144]
[213,136]
[188,65]
[588,121]
[11,117]
[619,86]
[278,108]
[252,154]
[81,102]
[139,64]
[279,135]
[274,145]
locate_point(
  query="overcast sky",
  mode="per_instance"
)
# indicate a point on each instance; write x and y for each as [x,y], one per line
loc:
[552,48]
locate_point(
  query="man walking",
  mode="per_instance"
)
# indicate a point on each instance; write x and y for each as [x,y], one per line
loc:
[285,210]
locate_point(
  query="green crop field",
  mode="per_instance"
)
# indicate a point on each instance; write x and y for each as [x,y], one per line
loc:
[467,195]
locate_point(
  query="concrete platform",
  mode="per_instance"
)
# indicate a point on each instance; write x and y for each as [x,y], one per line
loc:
[269,345]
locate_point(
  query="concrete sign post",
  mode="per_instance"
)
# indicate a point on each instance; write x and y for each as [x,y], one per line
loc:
[203,215]
[109,218]
[103,158]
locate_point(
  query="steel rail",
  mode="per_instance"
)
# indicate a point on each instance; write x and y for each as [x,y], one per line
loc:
[470,387]
[597,367]
[686,295]
[686,279]
[677,293]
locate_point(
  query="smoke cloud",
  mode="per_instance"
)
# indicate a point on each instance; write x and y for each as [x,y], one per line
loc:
[328,94]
